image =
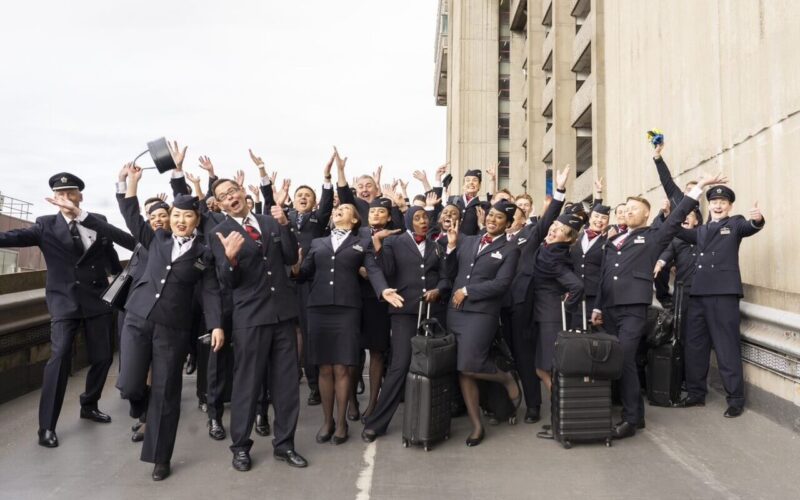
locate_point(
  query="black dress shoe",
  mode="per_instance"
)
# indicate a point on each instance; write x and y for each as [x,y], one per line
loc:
[639,426]
[475,441]
[545,433]
[336,440]
[314,398]
[291,458]
[161,472]
[138,435]
[241,460]
[191,365]
[689,401]
[733,411]
[216,430]
[95,415]
[324,437]
[624,430]
[48,439]
[202,403]
[262,425]
[532,415]
[135,427]
[368,436]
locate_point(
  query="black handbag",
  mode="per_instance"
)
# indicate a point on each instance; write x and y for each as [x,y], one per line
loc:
[582,353]
[433,350]
[117,292]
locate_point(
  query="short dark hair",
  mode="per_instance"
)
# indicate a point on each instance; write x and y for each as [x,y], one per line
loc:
[641,200]
[420,197]
[150,200]
[303,186]
[219,182]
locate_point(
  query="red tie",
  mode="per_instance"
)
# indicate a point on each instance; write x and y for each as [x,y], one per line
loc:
[252,231]
[469,197]
[592,234]
[486,240]
[419,238]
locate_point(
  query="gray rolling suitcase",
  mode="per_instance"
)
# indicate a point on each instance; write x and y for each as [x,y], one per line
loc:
[427,404]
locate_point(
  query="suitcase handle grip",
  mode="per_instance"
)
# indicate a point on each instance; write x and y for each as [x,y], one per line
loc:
[419,315]
[564,315]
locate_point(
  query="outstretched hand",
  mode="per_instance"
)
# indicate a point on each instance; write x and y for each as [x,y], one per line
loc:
[232,244]
[707,179]
[755,213]
[177,153]
[562,176]
[391,296]
[66,206]
[205,164]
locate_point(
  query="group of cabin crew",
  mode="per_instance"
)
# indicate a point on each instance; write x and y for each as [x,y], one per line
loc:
[307,284]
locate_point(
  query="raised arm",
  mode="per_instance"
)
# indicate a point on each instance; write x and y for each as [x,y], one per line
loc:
[674,193]
[129,208]
[754,224]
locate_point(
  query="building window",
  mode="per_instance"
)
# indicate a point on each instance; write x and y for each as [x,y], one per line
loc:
[505,49]
[504,87]
[503,125]
[503,168]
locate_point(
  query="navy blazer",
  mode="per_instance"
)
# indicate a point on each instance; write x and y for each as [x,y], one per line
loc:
[487,275]
[717,265]
[587,265]
[548,293]
[334,275]
[626,275]
[259,284]
[163,291]
[73,284]
[683,256]
[411,273]
[469,214]
[528,241]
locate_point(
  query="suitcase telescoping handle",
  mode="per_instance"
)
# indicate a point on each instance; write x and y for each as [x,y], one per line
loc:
[678,305]
[564,315]
[419,315]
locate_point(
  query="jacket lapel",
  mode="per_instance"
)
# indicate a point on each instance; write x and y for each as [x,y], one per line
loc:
[61,231]
[349,241]
[496,243]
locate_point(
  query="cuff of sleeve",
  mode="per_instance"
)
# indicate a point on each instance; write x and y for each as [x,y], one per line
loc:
[265,181]
[122,187]
[758,225]
[695,193]
[327,185]
[598,311]
[82,216]
[177,174]
[662,262]
[464,291]
[559,196]
[428,209]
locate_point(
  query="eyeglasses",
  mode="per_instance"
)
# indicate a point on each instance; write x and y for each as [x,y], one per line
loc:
[227,194]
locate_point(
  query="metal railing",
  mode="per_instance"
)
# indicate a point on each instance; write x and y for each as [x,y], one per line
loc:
[14,207]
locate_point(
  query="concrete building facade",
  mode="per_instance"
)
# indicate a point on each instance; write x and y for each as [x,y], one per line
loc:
[588,78]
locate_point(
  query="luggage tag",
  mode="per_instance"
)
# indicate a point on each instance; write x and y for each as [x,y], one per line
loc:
[497,255]
[725,230]
[638,240]
[358,248]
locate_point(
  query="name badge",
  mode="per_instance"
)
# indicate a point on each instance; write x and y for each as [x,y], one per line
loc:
[358,248]
[521,241]
[638,240]
[199,265]
[497,255]
[312,219]
[725,230]
[276,239]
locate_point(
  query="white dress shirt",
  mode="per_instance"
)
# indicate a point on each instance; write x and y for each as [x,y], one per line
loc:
[420,246]
[88,236]
[181,245]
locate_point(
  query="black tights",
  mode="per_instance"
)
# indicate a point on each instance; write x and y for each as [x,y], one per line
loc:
[335,385]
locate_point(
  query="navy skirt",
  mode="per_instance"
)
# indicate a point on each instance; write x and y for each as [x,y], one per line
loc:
[474,335]
[546,334]
[333,335]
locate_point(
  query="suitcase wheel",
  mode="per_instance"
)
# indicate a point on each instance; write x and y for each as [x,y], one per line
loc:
[512,420]
[608,442]
[405,443]
[427,447]
[566,444]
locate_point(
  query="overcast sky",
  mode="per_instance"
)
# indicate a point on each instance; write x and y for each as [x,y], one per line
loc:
[84,85]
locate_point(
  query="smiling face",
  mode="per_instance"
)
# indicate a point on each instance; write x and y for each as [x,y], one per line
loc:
[619,214]
[448,215]
[366,188]
[496,222]
[471,185]
[344,216]
[524,204]
[691,220]
[231,199]
[378,217]
[519,221]
[304,200]
[420,222]
[159,219]
[212,204]
[598,222]
[560,233]
[183,222]
[501,195]
[719,208]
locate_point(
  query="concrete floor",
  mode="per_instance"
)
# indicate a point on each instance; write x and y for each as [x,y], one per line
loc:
[691,453]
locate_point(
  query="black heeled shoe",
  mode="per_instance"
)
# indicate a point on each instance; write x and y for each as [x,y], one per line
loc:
[354,417]
[476,441]
[324,438]
[138,435]
[336,440]
[368,436]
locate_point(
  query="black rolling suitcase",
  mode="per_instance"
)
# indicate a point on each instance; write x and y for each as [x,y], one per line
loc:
[429,395]
[665,362]
[581,404]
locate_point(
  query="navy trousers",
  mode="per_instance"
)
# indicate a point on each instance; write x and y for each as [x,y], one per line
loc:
[713,321]
[627,323]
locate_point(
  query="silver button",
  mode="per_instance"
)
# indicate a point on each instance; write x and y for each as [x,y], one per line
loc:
[616,265]
[616,278]
[158,295]
[272,288]
[583,256]
[701,254]
[269,273]
[77,282]
[423,278]
[582,276]
[700,266]
[619,253]
[331,269]
[333,257]
[423,290]
[163,281]
[265,258]
[468,276]
[422,265]
[169,267]
[582,265]
[331,282]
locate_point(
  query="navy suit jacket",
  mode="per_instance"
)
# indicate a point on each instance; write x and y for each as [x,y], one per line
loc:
[334,275]
[683,256]
[587,265]
[259,283]
[411,273]
[717,265]
[74,284]
[487,275]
